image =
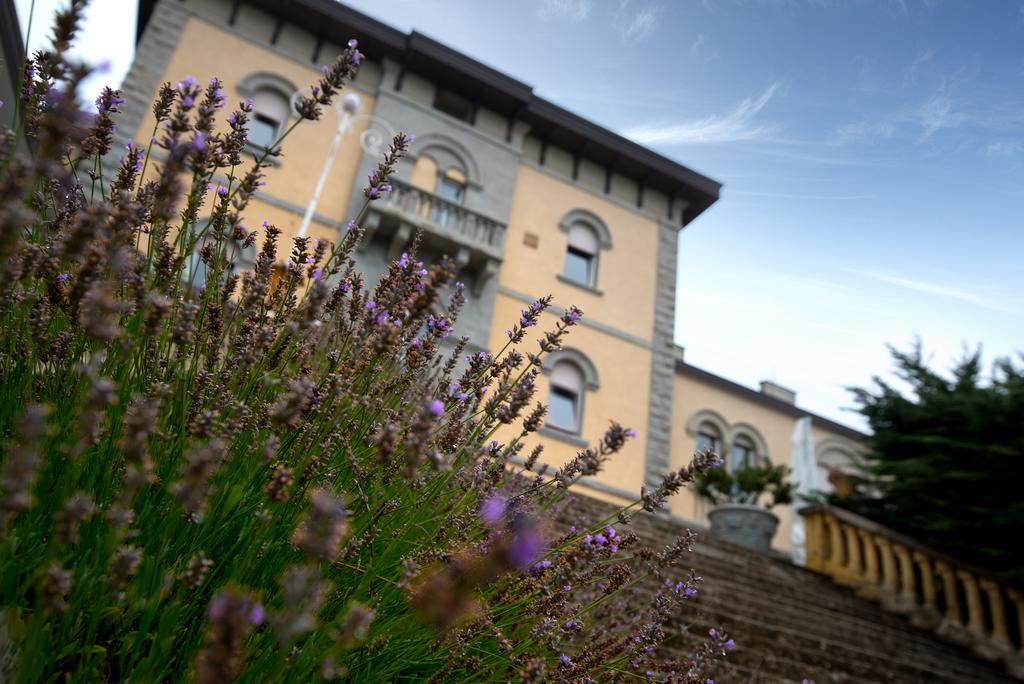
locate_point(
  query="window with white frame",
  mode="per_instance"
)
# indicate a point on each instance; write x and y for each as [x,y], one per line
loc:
[270,113]
[451,189]
[742,452]
[565,402]
[709,438]
[581,255]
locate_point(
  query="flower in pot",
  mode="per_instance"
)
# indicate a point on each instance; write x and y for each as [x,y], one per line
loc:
[742,499]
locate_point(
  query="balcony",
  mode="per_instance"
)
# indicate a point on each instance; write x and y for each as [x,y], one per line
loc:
[476,242]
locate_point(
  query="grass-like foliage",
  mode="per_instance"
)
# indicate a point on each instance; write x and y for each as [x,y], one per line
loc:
[277,475]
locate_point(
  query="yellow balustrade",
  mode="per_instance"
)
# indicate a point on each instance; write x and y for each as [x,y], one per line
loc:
[927,614]
[814,545]
[890,582]
[872,578]
[999,637]
[852,568]
[961,603]
[906,601]
[1015,661]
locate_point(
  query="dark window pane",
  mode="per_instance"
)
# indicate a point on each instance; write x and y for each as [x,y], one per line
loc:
[706,442]
[453,105]
[450,190]
[578,266]
[262,131]
[740,455]
[562,409]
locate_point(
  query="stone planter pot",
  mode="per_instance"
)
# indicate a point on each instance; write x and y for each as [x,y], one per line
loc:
[744,524]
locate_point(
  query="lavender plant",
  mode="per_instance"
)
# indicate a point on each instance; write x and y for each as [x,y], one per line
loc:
[278,475]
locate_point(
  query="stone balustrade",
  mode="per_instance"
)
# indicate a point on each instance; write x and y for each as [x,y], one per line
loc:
[438,214]
[962,603]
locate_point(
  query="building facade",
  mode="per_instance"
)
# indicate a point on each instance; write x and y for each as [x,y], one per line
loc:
[526,197]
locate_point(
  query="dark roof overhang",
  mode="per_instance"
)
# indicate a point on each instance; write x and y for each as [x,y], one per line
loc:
[488,87]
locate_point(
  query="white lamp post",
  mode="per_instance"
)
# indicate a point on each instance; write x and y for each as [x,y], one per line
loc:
[349,106]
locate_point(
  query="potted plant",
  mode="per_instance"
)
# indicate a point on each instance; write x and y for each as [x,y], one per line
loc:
[742,500]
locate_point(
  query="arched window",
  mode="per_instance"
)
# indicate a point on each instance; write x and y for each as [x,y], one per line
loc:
[581,255]
[271,97]
[570,374]
[836,458]
[270,113]
[452,185]
[742,452]
[565,403]
[709,438]
[586,236]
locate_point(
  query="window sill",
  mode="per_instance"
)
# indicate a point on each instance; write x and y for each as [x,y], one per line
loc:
[563,435]
[257,151]
[583,286]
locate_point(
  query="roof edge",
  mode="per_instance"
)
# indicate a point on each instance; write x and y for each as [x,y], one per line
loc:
[699,191]
[766,400]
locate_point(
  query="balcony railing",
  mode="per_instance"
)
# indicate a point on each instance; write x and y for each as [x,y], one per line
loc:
[962,603]
[436,214]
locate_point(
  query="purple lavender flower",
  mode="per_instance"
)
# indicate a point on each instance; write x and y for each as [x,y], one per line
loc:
[437,407]
[63,277]
[257,614]
[729,645]
[404,261]
[564,659]
[493,510]
[526,546]
[318,274]
[371,305]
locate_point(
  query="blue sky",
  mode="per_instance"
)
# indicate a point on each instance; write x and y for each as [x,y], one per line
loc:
[872,153]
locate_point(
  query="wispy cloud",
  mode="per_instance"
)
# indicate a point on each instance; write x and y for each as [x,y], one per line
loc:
[639,25]
[1005,148]
[697,45]
[866,131]
[738,125]
[961,294]
[799,196]
[568,10]
[939,112]
[913,70]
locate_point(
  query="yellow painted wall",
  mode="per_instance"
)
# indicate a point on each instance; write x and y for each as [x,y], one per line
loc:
[201,53]
[624,372]
[424,174]
[691,396]
[626,272]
